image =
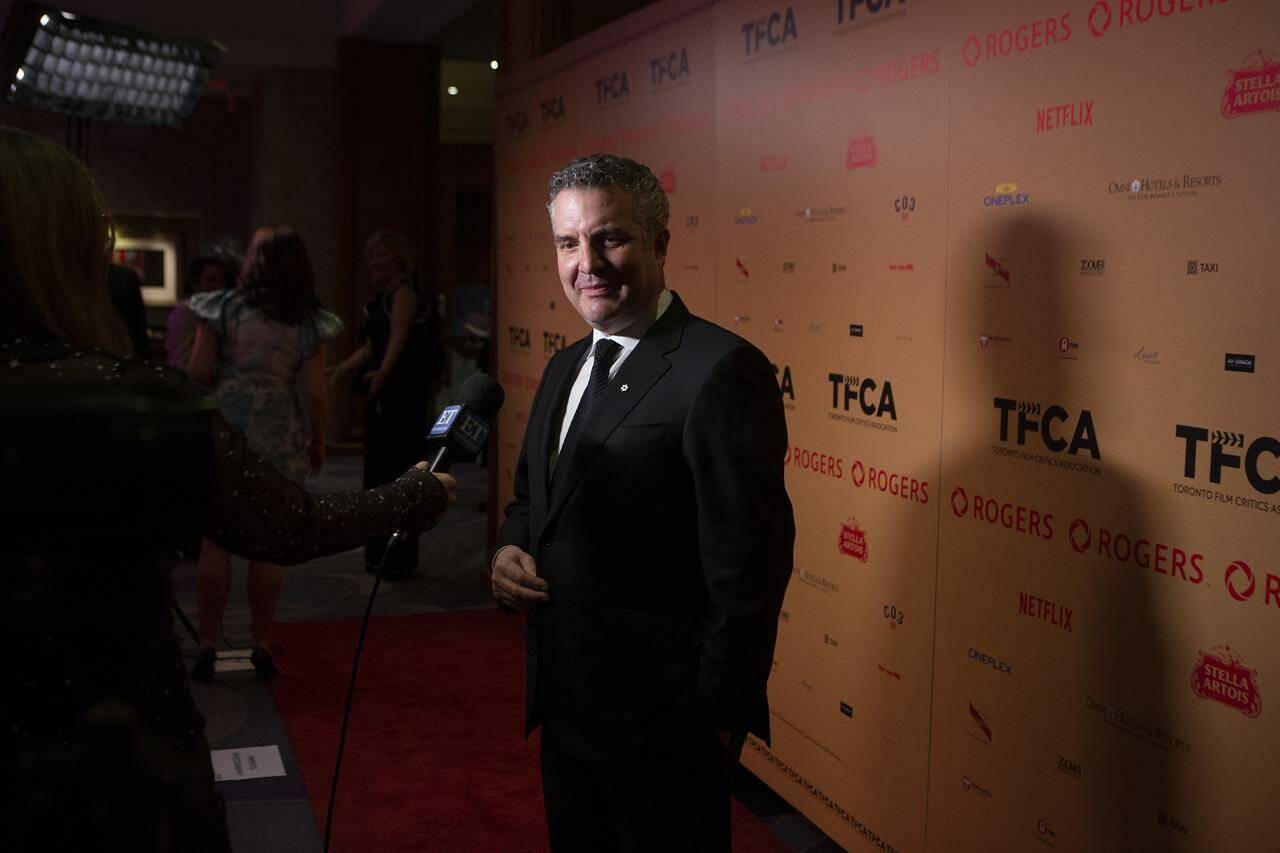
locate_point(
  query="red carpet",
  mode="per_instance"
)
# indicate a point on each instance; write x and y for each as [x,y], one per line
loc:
[435,759]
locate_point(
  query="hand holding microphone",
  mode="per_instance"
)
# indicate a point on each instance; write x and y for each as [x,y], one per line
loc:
[460,431]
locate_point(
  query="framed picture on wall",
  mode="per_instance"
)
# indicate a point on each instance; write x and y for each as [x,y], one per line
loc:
[157,246]
[156,263]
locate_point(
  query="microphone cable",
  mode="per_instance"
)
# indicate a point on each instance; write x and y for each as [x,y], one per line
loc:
[351,689]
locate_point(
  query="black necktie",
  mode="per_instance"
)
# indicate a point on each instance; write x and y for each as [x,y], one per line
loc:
[605,354]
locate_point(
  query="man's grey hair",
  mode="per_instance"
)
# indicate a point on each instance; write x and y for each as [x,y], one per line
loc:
[610,172]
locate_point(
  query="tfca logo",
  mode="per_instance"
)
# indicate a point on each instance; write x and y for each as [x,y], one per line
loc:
[552,342]
[517,122]
[772,31]
[612,88]
[785,383]
[1221,455]
[851,6]
[518,337]
[665,70]
[1051,427]
[552,109]
[874,399]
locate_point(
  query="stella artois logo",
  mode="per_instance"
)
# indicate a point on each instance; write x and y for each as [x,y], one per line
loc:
[1253,88]
[1221,676]
[853,540]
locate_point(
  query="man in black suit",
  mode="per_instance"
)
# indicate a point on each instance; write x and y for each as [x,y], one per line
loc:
[650,537]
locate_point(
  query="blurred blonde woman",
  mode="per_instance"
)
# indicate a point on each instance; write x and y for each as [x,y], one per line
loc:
[401,361]
[101,744]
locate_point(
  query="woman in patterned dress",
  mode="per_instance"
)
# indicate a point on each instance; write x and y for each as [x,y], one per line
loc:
[260,348]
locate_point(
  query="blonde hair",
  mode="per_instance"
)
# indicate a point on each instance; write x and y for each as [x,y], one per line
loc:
[55,238]
[397,244]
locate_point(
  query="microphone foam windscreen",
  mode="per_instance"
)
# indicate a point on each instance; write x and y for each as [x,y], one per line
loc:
[482,393]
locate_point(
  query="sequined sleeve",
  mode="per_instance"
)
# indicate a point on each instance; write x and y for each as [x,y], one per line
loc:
[258,513]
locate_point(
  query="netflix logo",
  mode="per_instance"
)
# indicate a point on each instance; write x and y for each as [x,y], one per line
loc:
[1055,614]
[1078,114]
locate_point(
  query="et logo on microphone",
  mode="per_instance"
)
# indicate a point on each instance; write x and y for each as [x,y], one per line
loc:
[458,423]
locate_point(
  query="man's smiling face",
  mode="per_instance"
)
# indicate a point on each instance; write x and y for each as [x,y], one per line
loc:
[610,273]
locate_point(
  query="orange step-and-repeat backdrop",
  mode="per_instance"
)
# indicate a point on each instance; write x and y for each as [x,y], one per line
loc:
[1015,263]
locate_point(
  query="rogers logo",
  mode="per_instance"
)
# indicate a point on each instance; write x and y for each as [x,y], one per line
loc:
[1100,18]
[1024,37]
[1080,535]
[1006,514]
[893,483]
[1236,568]
[959,502]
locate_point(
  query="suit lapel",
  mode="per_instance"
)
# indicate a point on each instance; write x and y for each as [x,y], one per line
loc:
[542,442]
[639,373]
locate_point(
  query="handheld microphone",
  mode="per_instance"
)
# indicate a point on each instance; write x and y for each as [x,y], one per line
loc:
[461,430]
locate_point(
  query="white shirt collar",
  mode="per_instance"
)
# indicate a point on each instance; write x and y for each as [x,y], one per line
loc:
[627,342]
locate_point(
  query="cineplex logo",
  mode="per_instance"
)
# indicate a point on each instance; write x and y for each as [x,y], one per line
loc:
[981,655]
[1049,431]
[873,398]
[1248,460]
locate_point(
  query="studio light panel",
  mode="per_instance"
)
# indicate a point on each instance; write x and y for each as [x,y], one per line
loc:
[89,68]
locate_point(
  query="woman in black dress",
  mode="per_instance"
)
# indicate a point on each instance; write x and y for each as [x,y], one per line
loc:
[402,360]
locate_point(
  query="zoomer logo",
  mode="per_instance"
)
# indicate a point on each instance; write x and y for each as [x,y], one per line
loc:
[847,12]
[1006,194]
[853,540]
[552,110]
[874,399]
[1074,114]
[1093,266]
[1021,38]
[1252,88]
[669,70]
[769,33]
[1220,457]
[1083,435]
[1221,676]
[1069,767]
[613,89]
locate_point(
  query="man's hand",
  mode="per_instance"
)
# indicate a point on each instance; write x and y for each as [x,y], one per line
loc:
[515,580]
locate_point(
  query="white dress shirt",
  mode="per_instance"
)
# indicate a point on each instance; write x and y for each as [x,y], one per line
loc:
[584,373]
